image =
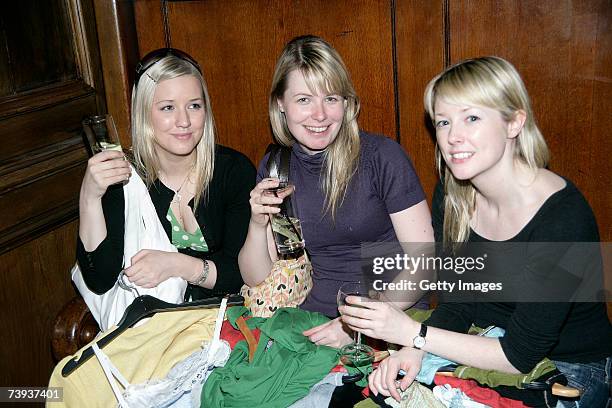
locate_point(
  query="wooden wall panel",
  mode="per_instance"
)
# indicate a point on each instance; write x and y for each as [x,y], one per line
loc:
[119,54]
[598,190]
[420,55]
[562,50]
[237,47]
[149,19]
[34,286]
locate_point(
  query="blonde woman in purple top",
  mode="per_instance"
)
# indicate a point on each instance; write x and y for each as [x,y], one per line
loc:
[351,187]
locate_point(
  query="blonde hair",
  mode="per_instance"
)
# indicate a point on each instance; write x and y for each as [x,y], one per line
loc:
[323,70]
[494,83]
[146,159]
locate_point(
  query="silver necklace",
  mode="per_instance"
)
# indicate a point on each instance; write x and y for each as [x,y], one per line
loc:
[177,193]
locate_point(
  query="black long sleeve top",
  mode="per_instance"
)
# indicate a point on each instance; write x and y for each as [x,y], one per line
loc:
[564,331]
[223,218]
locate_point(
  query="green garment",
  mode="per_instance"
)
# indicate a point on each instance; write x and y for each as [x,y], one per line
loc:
[496,378]
[285,366]
[419,315]
[183,239]
[234,312]
[490,377]
[366,403]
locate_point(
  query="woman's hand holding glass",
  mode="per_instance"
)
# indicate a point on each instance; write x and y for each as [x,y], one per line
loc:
[356,353]
[104,169]
[379,320]
[385,321]
[263,204]
[107,165]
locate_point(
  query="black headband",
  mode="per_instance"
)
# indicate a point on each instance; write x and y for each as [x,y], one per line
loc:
[155,56]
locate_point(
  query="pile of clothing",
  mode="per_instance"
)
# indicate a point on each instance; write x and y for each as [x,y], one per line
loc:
[193,358]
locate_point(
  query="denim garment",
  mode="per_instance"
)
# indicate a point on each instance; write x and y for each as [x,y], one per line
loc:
[593,378]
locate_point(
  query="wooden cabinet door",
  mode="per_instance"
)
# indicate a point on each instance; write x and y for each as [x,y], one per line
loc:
[50,78]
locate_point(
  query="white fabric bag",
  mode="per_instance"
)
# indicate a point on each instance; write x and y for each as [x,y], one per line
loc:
[143,230]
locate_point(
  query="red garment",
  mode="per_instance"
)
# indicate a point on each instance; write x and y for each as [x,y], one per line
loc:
[233,336]
[477,393]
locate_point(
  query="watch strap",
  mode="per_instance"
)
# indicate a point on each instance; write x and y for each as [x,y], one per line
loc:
[419,341]
[423,331]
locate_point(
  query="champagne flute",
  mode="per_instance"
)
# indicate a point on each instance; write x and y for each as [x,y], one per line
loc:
[101,133]
[354,354]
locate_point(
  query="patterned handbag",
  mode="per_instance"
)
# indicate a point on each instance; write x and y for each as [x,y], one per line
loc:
[287,285]
[290,280]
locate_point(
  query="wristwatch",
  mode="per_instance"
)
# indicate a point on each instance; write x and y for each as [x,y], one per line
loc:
[419,341]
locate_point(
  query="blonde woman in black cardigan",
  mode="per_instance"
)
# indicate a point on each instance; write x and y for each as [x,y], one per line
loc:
[200,190]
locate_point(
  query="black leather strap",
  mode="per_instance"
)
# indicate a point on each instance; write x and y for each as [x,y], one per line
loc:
[423,331]
[278,162]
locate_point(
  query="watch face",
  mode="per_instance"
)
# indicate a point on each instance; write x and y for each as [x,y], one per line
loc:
[418,342]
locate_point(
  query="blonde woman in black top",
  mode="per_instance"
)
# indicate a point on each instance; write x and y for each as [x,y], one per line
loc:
[492,158]
[200,190]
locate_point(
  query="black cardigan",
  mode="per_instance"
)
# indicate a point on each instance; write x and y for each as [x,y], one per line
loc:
[223,219]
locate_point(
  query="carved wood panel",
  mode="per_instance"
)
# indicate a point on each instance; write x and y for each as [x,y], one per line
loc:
[38,45]
[53,86]
[50,78]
